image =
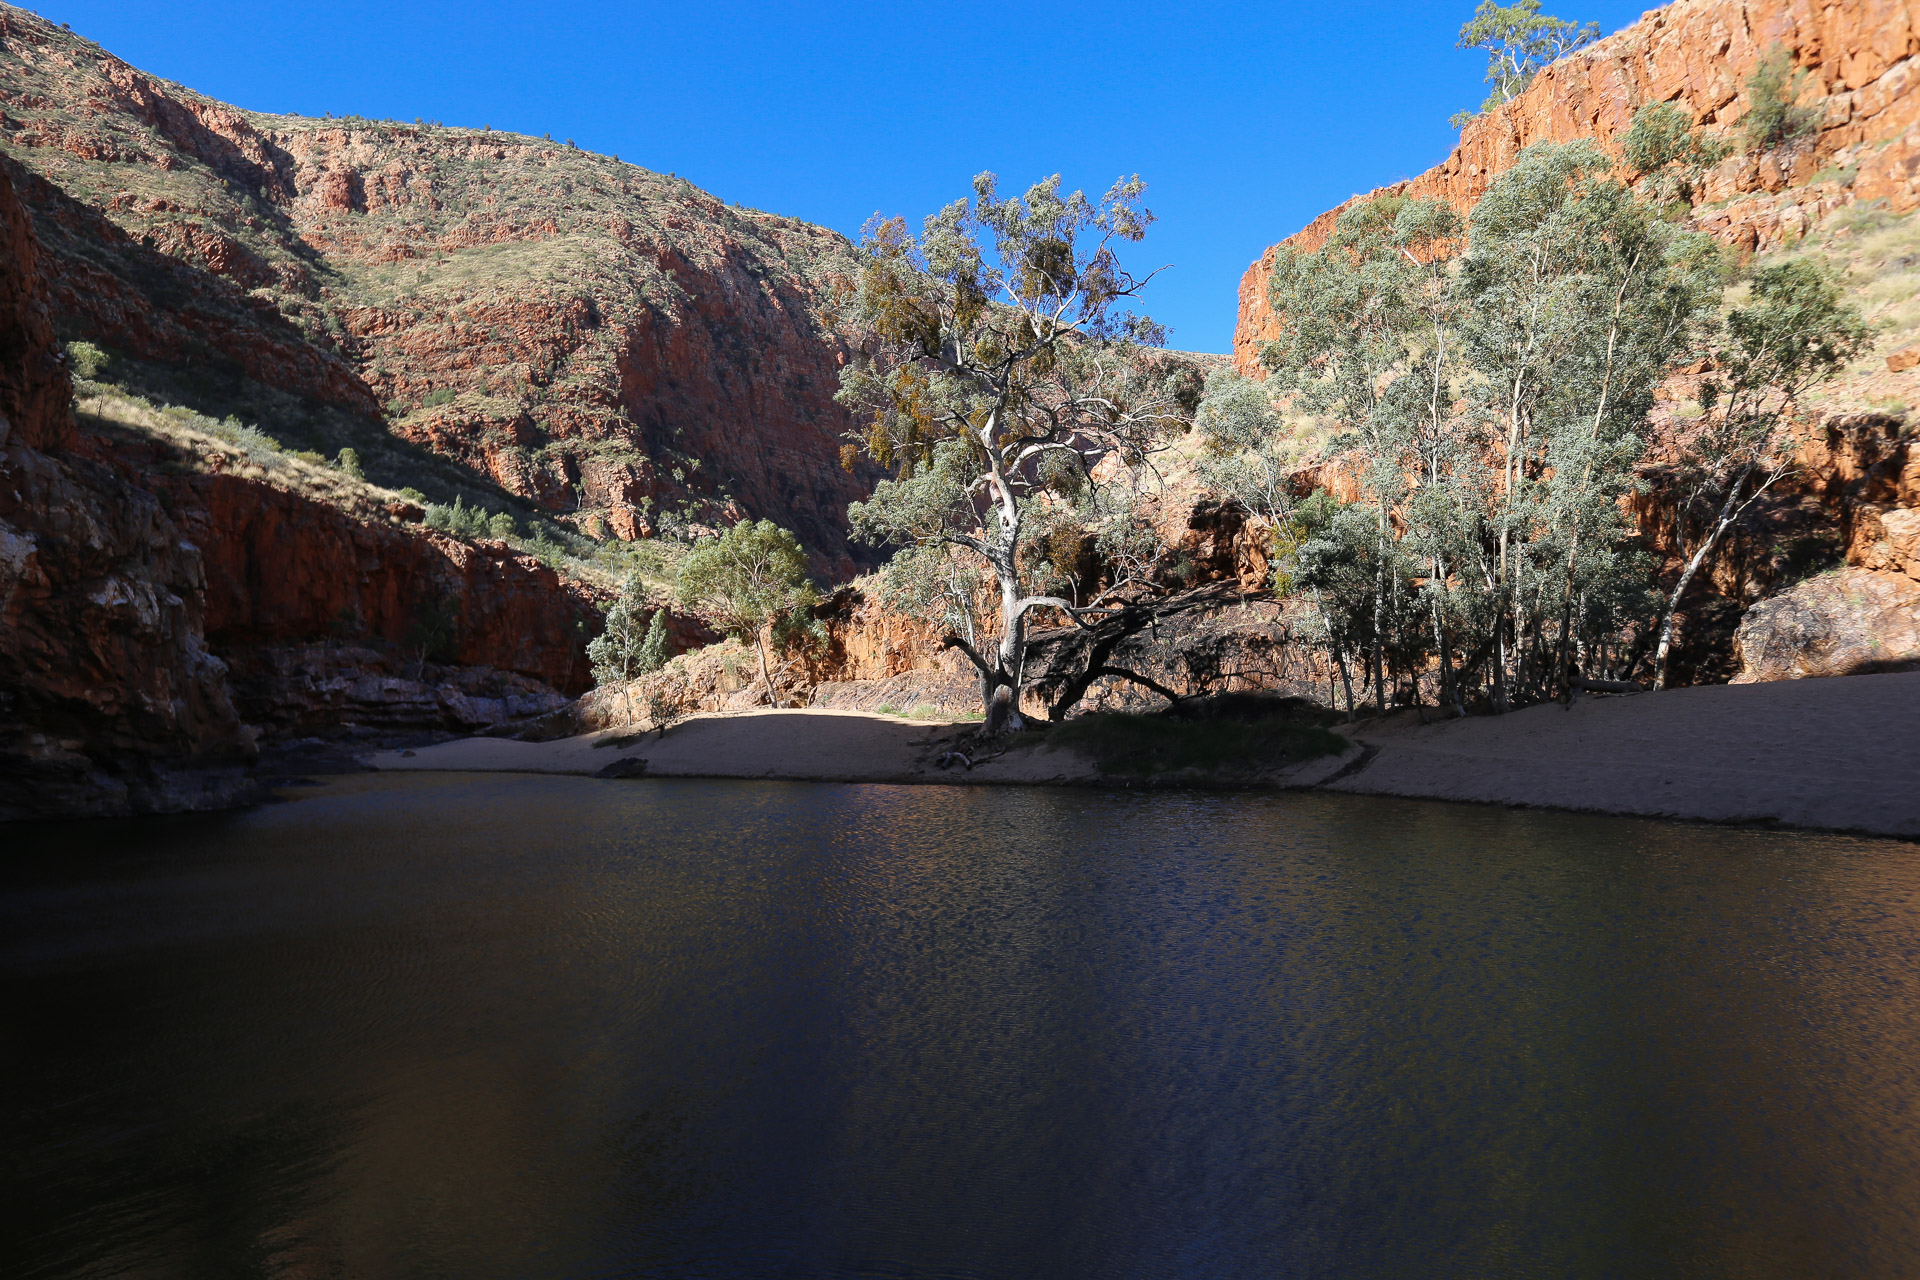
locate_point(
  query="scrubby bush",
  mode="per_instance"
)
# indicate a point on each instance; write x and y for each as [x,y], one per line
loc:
[1773,118]
[460,520]
[501,525]
[88,361]
[350,463]
[435,399]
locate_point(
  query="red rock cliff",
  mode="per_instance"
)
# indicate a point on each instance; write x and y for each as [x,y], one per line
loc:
[1859,56]
[109,699]
[608,342]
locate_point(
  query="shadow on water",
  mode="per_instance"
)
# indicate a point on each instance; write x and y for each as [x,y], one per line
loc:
[477,1026]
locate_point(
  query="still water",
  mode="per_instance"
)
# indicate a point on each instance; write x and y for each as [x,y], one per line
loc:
[498,1026]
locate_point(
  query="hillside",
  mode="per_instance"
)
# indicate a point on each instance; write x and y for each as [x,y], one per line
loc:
[610,346]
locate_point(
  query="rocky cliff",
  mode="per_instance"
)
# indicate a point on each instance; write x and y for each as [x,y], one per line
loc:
[611,344]
[158,612]
[109,699]
[1859,59]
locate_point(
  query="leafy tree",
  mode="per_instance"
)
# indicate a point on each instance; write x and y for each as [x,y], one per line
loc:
[1489,409]
[1773,117]
[620,653]
[1794,333]
[1668,153]
[747,582]
[350,463]
[997,367]
[657,648]
[1519,40]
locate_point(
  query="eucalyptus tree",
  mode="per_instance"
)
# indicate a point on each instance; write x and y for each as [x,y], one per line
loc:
[1490,405]
[1519,40]
[1364,342]
[748,582]
[1578,300]
[1001,374]
[628,648]
[1794,333]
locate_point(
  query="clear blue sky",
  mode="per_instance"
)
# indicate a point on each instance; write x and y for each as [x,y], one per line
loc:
[1246,120]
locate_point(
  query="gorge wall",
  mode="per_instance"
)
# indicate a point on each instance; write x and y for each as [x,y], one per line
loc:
[607,343]
[1859,57]
[154,618]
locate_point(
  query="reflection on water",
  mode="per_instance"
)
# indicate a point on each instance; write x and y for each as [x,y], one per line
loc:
[524,1027]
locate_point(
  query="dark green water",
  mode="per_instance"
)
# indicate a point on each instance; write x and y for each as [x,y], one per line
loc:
[497,1026]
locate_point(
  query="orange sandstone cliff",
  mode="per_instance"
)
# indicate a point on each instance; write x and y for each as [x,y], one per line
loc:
[1860,61]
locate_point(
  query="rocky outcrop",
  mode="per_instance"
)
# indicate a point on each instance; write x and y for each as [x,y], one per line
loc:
[1849,622]
[109,699]
[612,344]
[327,688]
[154,618]
[281,568]
[1860,64]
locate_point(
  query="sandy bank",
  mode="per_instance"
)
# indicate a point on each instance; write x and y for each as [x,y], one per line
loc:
[812,746]
[1840,754]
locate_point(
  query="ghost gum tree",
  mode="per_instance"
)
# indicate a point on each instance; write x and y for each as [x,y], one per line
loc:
[1007,383]
[1490,387]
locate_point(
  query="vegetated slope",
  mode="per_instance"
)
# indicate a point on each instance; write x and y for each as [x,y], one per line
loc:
[1860,61]
[614,345]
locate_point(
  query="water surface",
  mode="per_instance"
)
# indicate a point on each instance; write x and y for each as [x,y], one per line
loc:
[501,1026]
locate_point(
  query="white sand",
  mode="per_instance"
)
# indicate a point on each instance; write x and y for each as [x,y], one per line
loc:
[812,745]
[1839,754]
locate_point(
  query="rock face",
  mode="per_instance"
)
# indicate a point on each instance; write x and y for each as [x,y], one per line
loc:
[153,619]
[109,699]
[1860,61]
[613,344]
[1852,622]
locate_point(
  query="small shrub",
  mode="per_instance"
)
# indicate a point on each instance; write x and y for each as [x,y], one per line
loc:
[445,395]
[350,463]
[885,709]
[501,525]
[1774,119]
[88,361]
[396,408]
[308,455]
[412,494]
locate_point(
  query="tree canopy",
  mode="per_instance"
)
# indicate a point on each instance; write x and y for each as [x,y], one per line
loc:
[1003,376]
[746,582]
[1518,40]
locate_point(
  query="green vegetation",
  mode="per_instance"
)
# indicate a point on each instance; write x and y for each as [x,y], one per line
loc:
[997,369]
[1493,409]
[1166,747]
[627,649]
[1773,117]
[750,583]
[1518,40]
[1669,154]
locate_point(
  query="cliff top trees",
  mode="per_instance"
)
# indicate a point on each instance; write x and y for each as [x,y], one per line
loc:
[1519,40]
[749,580]
[998,367]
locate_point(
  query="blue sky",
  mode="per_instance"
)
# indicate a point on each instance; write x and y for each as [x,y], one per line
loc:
[1245,120]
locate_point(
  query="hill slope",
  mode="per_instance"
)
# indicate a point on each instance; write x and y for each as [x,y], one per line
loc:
[612,345]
